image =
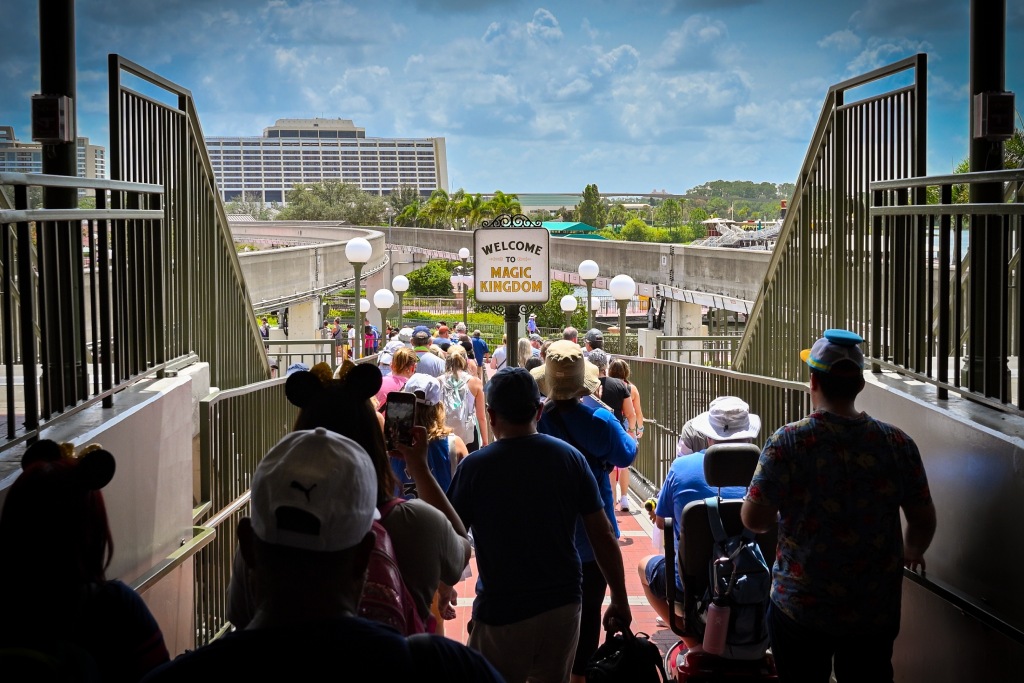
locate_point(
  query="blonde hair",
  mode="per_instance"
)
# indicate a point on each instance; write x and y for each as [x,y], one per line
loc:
[403,359]
[432,418]
[456,361]
[525,350]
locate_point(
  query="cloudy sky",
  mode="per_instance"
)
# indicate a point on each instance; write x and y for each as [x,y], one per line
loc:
[532,95]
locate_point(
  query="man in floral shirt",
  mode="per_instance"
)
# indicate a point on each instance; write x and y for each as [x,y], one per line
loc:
[835,483]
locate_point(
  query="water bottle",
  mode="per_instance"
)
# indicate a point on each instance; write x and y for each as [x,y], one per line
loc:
[717,628]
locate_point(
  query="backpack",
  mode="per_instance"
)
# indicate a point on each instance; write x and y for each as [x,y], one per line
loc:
[458,407]
[385,598]
[738,577]
[626,657]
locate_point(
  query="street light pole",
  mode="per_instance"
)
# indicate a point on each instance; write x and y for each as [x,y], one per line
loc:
[622,288]
[464,255]
[568,304]
[358,252]
[400,284]
[383,300]
[588,271]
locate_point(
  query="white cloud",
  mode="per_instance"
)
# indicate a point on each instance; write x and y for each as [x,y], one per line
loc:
[701,42]
[881,51]
[544,27]
[845,41]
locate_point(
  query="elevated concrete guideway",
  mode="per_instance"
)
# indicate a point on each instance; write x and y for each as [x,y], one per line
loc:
[714,277]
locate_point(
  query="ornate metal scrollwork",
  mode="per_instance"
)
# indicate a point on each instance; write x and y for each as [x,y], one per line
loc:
[507,220]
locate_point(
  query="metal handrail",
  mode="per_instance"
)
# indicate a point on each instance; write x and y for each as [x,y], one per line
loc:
[75,182]
[207,300]
[201,537]
[819,274]
[63,333]
[918,253]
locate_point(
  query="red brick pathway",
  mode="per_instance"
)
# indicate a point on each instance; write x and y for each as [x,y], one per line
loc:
[635,543]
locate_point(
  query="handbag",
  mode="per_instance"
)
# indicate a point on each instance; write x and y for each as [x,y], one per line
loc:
[627,658]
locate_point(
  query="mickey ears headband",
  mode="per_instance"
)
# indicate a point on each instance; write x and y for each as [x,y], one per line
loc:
[94,466]
[358,381]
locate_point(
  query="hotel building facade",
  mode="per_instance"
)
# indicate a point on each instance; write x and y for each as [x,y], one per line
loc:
[294,151]
[27,157]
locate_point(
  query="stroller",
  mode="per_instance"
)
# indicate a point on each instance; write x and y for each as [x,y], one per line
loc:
[727,464]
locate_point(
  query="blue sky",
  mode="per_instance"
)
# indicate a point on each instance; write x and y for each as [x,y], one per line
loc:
[532,95]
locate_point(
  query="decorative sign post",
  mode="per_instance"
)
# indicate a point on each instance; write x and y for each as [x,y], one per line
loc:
[513,267]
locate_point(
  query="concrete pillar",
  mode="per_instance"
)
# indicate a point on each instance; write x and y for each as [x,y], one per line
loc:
[648,342]
[688,322]
[302,319]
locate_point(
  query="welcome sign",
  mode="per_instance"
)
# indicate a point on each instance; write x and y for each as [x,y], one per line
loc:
[512,265]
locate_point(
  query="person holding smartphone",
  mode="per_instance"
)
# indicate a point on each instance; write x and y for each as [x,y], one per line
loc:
[444,449]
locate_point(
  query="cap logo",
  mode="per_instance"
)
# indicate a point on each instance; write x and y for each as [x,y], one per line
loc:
[307,491]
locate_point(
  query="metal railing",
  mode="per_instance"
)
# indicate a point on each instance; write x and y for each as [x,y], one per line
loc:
[819,275]
[205,307]
[717,351]
[71,336]
[672,393]
[308,351]
[938,315]
[236,428]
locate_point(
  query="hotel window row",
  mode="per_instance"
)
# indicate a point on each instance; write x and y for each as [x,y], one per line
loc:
[313,150]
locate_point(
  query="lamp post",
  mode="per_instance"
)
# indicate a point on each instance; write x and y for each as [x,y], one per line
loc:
[595,306]
[383,299]
[568,304]
[622,288]
[588,271]
[466,279]
[400,284]
[358,252]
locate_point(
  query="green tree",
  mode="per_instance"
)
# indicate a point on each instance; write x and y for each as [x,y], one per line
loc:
[591,210]
[402,197]
[550,313]
[635,230]
[476,209]
[504,203]
[249,204]
[433,279]
[436,212]
[617,215]
[410,215]
[669,213]
[332,200]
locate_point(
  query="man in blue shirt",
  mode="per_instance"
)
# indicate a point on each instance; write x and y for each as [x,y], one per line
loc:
[565,378]
[526,618]
[479,350]
[728,419]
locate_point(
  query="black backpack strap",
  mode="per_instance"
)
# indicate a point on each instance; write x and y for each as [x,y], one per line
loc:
[715,519]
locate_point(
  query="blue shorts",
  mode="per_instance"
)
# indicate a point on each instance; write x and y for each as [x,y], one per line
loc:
[655,574]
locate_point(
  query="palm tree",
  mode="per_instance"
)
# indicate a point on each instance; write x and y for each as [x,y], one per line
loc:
[617,215]
[475,209]
[435,212]
[504,203]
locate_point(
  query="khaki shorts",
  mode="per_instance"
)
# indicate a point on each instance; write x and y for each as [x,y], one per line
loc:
[539,649]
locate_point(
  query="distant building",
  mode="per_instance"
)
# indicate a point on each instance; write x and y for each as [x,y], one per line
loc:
[294,151]
[27,157]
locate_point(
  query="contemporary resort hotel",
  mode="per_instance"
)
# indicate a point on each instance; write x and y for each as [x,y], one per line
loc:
[294,151]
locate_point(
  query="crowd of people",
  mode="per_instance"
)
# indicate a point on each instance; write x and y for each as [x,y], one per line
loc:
[562,426]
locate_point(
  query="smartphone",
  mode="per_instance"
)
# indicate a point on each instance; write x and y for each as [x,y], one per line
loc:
[399,418]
